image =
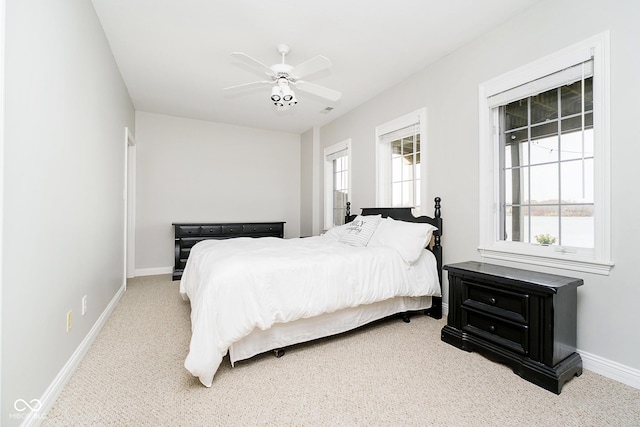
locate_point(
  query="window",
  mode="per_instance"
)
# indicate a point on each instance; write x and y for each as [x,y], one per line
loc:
[544,147]
[399,161]
[337,182]
[546,166]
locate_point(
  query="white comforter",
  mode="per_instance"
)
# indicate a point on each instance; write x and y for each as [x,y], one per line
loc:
[240,284]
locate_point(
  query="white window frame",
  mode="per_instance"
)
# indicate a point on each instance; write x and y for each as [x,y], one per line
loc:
[383,156]
[328,179]
[597,260]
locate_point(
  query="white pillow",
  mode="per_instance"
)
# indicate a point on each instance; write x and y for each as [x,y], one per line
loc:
[407,238]
[359,231]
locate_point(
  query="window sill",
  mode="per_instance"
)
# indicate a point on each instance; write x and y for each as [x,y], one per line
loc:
[564,261]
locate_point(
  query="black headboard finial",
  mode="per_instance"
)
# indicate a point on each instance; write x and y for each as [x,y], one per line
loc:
[348,209]
[436,215]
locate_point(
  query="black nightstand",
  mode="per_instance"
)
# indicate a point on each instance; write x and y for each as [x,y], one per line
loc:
[522,318]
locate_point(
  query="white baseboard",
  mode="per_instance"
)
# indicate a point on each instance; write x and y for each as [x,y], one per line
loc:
[605,367]
[153,271]
[50,396]
[610,369]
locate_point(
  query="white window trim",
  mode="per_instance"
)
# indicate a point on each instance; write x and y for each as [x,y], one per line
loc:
[383,183]
[597,261]
[328,179]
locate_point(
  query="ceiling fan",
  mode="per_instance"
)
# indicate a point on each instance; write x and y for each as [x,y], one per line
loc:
[282,76]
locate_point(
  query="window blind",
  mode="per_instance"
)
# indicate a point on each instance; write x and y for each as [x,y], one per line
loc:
[412,129]
[336,155]
[567,76]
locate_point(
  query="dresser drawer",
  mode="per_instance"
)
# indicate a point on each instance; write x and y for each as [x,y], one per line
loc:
[211,230]
[499,302]
[261,228]
[232,230]
[185,251]
[513,336]
[187,230]
[188,242]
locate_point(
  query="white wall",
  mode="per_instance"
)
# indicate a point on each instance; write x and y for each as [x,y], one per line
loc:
[66,108]
[607,306]
[306,183]
[197,171]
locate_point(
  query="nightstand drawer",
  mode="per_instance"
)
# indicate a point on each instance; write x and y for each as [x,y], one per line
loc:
[513,336]
[510,305]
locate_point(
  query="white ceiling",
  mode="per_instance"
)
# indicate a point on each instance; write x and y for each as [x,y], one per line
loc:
[174,55]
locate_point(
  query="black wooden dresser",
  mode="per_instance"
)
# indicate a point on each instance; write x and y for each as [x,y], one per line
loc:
[188,234]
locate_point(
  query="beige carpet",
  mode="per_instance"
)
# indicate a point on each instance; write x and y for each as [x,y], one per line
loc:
[390,373]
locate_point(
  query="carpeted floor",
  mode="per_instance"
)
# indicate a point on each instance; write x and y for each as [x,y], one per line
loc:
[389,373]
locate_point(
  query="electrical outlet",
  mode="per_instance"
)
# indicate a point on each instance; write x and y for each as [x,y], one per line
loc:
[84,305]
[69,320]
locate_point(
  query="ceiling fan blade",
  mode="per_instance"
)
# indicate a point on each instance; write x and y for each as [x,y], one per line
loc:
[248,85]
[311,66]
[324,92]
[246,59]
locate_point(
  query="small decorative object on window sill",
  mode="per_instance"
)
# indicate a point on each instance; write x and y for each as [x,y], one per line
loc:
[545,239]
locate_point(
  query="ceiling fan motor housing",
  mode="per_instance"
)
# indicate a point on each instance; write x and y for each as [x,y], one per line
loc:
[281,70]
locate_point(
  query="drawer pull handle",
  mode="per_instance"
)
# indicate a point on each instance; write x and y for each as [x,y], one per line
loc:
[492,328]
[492,300]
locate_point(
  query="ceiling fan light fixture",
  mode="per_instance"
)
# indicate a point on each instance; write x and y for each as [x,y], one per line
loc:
[287,93]
[276,94]
[282,95]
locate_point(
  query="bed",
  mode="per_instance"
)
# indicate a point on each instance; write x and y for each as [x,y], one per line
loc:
[249,296]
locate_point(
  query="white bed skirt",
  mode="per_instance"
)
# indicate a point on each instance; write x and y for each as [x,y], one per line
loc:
[283,335]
